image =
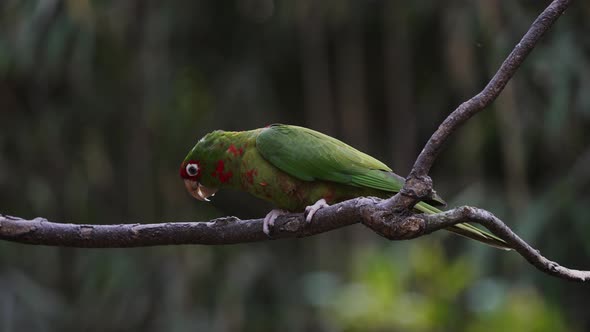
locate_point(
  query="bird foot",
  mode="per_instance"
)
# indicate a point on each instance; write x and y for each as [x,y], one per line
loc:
[269,220]
[312,209]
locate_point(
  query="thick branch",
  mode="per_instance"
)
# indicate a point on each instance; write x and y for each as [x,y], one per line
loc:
[227,230]
[230,230]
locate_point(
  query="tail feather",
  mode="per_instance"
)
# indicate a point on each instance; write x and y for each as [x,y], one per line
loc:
[468,230]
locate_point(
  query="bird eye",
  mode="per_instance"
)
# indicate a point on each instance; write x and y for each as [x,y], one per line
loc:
[192,169]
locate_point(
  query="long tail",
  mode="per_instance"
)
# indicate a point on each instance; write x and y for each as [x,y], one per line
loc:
[468,230]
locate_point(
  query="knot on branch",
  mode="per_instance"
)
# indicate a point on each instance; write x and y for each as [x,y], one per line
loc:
[418,187]
[394,225]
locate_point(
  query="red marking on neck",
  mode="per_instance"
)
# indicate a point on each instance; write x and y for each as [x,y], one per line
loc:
[264,184]
[235,151]
[250,175]
[219,172]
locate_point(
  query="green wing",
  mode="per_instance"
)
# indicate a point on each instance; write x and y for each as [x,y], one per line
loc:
[310,155]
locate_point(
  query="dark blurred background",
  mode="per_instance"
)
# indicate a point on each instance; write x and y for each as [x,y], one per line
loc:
[101,100]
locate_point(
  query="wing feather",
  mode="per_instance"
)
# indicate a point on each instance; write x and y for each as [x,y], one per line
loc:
[310,155]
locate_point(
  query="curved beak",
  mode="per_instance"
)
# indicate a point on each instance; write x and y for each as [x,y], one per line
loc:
[199,191]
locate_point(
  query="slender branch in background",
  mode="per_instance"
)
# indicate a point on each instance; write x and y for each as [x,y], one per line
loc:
[390,218]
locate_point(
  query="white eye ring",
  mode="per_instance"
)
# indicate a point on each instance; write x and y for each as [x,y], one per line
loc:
[192,169]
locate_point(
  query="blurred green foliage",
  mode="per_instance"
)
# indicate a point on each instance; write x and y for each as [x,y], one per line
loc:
[430,292]
[101,100]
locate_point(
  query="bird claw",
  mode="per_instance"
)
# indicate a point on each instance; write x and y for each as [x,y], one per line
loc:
[312,209]
[269,220]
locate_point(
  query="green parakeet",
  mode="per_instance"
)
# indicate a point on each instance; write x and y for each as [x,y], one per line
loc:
[296,169]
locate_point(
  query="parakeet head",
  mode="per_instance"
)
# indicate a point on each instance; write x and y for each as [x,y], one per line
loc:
[194,165]
[190,171]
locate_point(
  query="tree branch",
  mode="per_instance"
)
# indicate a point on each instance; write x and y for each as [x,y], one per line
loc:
[491,222]
[391,218]
[231,230]
[226,230]
[483,99]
